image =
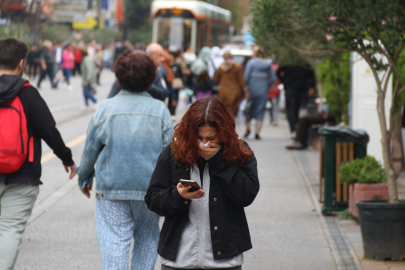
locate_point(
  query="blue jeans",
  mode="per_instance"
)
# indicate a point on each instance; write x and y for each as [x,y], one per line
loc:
[117,222]
[68,73]
[88,95]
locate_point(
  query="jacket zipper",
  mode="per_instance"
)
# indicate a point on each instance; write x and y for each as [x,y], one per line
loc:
[201,221]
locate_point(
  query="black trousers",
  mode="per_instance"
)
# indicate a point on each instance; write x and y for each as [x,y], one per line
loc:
[292,104]
[164,267]
[51,74]
[305,123]
[77,69]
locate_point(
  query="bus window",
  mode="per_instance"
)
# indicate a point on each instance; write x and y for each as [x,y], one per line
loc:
[201,35]
[174,31]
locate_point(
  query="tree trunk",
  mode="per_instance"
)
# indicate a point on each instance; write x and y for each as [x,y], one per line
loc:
[386,149]
[396,146]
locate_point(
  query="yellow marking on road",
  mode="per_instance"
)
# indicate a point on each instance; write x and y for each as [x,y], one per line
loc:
[76,141]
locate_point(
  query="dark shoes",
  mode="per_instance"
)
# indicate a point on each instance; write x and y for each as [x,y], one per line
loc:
[257,137]
[296,146]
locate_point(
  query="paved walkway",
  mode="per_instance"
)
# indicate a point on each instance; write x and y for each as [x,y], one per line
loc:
[286,230]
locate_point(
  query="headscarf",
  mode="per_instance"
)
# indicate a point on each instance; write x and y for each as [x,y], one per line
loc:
[216,60]
[166,64]
[201,63]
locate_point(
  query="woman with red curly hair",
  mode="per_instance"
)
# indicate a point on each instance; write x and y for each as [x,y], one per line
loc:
[205,228]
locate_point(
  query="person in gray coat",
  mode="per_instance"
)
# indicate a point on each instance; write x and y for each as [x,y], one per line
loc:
[259,76]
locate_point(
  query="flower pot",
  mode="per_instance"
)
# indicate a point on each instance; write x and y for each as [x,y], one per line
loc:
[383,229]
[366,192]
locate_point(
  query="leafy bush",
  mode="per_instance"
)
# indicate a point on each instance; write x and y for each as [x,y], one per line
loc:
[139,36]
[363,171]
[102,36]
[56,32]
[334,75]
[345,215]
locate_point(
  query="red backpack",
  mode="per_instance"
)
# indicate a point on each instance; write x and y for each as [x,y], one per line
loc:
[14,136]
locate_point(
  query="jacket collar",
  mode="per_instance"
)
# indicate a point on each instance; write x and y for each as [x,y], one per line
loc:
[126,92]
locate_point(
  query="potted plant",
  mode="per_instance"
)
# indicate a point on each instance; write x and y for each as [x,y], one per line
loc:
[366,180]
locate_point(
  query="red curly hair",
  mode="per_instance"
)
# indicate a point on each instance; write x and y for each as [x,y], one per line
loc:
[212,112]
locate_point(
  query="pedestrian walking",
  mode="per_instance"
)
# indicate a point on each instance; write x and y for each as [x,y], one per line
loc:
[47,64]
[125,137]
[205,228]
[78,59]
[33,62]
[68,63]
[88,70]
[107,56]
[58,55]
[178,81]
[231,83]
[201,64]
[98,60]
[25,121]
[189,58]
[274,98]
[158,89]
[203,85]
[297,80]
[259,76]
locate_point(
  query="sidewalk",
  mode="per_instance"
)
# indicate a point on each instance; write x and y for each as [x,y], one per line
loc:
[286,230]
[352,227]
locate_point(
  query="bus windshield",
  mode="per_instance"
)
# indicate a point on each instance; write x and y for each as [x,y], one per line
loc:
[174,31]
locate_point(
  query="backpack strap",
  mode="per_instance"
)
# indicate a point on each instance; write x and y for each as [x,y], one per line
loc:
[27,84]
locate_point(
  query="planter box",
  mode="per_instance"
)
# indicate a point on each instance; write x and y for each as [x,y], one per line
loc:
[365,192]
[383,230]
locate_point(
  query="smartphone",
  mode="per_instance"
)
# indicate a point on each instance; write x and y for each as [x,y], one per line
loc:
[192,183]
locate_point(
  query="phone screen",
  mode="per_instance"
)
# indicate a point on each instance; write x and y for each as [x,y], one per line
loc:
[192,183]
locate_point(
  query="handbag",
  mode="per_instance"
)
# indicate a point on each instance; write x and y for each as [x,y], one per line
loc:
[177,84]
[246,111]
[93,90]
[274,91]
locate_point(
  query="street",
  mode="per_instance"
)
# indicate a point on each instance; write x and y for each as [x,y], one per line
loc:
[286,229]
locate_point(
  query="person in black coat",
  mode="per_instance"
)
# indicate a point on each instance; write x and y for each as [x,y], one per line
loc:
[297,80]
[211,219]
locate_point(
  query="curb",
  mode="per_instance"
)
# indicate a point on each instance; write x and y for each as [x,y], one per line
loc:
[342,251]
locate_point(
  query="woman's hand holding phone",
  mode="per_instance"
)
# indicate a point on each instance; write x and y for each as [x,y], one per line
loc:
[207,152]
[183,191]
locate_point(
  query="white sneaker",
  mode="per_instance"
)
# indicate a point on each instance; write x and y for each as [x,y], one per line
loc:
[95,105]
[70,87]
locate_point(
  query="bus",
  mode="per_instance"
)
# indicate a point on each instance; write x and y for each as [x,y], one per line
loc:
[185,23]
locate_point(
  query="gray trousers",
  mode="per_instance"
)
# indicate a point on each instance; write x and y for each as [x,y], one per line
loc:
[164,267]
[16,203]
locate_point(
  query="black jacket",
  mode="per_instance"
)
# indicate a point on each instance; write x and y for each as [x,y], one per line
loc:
[232,186]
[296,78]
[40,125]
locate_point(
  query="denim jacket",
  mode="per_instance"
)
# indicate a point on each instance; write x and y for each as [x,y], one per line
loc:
[125,137]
